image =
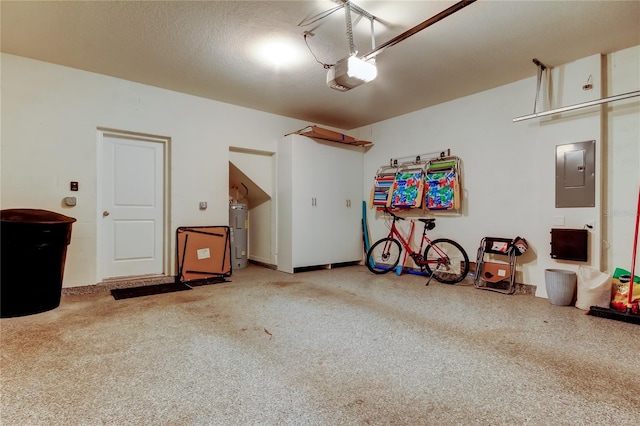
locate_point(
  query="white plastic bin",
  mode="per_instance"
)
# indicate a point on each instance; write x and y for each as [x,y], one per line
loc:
[561,286]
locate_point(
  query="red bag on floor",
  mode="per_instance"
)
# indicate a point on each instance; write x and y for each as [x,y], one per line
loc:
[620,291]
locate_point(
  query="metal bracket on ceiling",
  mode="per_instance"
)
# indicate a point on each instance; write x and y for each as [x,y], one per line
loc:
[541,68]
[348,8]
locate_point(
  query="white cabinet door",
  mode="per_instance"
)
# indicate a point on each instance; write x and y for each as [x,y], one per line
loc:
[346,215]
[284,205]
[319,203]
[309,203]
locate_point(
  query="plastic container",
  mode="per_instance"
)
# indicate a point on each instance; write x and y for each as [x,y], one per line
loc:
[32,254]
[594,288]
[561,286]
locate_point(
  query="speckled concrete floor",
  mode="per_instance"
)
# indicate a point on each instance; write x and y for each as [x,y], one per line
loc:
[330,347]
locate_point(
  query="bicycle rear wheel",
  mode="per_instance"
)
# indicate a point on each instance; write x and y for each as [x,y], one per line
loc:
[448,262]
[384,255]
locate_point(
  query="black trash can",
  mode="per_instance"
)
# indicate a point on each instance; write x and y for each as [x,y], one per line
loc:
[32,257]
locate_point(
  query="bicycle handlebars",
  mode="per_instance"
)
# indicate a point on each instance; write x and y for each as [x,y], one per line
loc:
[429,223]
[386,210]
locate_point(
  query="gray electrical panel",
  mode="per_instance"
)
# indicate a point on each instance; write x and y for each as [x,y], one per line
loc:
[576,174]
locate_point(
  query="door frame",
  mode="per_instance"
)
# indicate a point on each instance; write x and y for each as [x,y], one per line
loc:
[273,222]
[101,132]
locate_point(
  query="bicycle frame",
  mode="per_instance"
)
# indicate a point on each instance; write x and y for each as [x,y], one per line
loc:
[417,256]
[438,257]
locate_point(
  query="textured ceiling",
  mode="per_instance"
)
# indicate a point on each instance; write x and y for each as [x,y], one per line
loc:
[208,48]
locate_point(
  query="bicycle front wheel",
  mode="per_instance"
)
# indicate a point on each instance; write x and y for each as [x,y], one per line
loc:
[384,255]
[446,261]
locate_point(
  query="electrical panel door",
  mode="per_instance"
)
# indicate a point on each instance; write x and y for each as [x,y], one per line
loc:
[576,174]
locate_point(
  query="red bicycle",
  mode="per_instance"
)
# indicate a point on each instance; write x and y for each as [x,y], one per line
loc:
[443,259]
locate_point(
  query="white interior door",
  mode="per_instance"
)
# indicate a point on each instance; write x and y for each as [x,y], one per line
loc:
[133,206]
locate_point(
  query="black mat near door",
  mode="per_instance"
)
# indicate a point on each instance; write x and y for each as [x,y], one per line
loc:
[207,281]
[148,290]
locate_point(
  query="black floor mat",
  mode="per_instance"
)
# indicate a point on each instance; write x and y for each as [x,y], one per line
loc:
[213,280]
[614,315]
[147,290]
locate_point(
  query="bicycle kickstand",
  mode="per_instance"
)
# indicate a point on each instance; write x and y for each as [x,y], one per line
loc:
[431,274]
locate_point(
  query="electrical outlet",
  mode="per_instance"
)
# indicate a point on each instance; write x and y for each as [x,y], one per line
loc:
[203,205]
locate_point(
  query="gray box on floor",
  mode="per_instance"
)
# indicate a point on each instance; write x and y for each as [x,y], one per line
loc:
[561,286]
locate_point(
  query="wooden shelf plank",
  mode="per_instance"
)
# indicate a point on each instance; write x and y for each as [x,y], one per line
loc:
[331,136]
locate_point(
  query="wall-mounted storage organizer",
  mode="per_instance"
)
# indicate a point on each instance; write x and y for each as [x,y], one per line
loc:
[383,181]
[443,179]
[408,187]
[433,184]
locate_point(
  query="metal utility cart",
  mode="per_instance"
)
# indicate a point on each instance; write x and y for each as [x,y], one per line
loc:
[496,263]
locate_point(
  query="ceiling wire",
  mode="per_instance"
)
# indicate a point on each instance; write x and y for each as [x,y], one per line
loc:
[324,64]
[315,18]
[312,20]
[348,6]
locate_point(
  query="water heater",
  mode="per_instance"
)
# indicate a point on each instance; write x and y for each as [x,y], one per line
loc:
[239,225]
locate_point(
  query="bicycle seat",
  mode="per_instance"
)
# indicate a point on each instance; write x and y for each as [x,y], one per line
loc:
[430,223]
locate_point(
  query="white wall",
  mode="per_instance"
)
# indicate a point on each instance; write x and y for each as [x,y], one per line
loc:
[623,160]
[509,168]
[48,138]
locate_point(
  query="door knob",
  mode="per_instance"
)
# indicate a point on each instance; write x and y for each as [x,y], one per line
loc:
[105,213]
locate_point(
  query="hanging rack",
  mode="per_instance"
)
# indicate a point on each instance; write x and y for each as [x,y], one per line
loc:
[387,171]
[541,67]
[443,172]
[393,162]
[578,106]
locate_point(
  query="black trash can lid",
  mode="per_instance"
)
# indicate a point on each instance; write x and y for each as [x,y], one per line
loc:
[34,216]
